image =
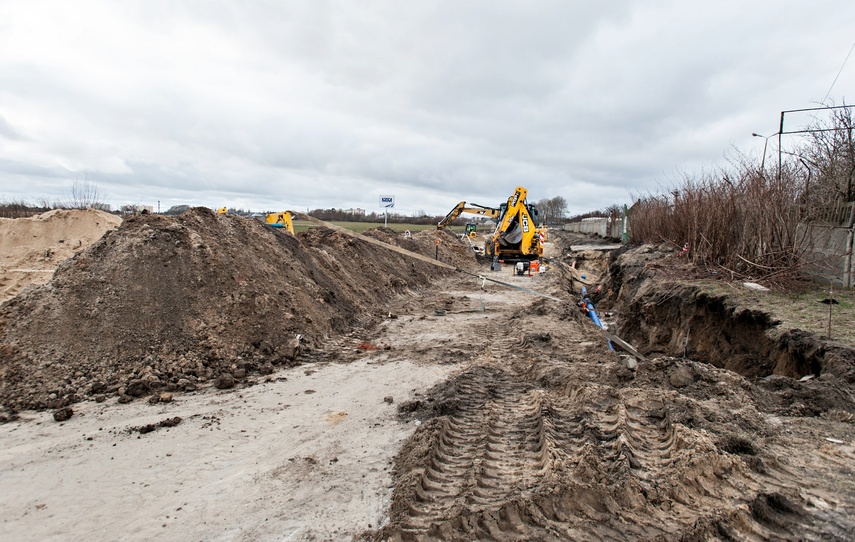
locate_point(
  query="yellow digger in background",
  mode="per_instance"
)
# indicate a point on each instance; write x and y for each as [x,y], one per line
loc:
[471,208]
[281,220]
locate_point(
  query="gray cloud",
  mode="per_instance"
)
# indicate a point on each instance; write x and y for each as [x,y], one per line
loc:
[7,131]
[329,104]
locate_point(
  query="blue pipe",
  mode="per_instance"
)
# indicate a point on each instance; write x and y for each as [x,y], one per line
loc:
[593,314]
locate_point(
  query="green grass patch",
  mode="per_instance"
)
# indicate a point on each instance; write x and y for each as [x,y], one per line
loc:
[798,309]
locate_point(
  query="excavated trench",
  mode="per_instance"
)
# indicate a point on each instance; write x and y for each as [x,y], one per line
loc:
[665,317]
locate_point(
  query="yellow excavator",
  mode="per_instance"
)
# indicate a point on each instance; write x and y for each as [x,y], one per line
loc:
[517,237]
[281,220]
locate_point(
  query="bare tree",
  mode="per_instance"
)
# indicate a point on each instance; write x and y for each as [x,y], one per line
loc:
[84,195]
[829,156]
[552,208]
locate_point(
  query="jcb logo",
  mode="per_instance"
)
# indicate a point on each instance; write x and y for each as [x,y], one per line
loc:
[516,199]
[525,223]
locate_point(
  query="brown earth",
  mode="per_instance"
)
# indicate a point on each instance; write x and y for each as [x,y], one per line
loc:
[540,433]
[173,303]
[545,434]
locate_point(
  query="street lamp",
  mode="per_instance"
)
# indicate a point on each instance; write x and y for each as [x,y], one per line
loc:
[765,142]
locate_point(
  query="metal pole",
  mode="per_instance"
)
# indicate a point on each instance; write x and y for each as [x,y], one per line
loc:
[780,131]
[763,160]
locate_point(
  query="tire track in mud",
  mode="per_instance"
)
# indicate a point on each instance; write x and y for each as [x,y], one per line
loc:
[516,461]
[493,447]
[495,459]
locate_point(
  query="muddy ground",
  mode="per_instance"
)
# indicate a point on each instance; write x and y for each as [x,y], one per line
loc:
[511,418]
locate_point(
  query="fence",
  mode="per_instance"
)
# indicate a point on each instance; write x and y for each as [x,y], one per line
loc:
[608,227]
[830,235]
[838,214]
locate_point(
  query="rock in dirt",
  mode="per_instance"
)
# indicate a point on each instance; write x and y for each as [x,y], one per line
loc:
[63,414]
[137,388]
[681,376]
[225,381]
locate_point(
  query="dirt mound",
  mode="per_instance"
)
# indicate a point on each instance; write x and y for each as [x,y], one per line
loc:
[31,248]
[170,303]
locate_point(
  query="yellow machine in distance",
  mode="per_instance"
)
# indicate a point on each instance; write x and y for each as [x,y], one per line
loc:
[281,220]
[471,208]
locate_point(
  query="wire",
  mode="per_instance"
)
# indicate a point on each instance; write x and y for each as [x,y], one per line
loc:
[838,73]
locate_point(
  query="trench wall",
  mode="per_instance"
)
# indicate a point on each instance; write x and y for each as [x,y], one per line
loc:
[662,317]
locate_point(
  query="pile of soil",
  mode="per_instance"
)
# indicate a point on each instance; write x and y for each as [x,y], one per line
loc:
[540,433]
[165,303]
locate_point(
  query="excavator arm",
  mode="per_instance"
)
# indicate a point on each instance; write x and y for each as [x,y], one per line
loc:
[474,209]
[281,220]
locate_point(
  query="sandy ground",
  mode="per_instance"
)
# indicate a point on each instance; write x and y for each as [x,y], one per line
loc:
[31,248]
[535,430]
[304,457]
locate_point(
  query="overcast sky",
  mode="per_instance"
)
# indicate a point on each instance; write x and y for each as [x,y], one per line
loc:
[305,104]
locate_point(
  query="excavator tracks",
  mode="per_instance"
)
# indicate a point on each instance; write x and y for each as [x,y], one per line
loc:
[520,460]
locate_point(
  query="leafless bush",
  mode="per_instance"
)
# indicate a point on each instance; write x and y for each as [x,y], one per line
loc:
[828,156]
[744,219]
[84,195]
[739,219]
[20,209]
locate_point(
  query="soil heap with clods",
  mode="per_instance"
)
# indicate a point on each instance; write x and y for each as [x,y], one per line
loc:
[164,303]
